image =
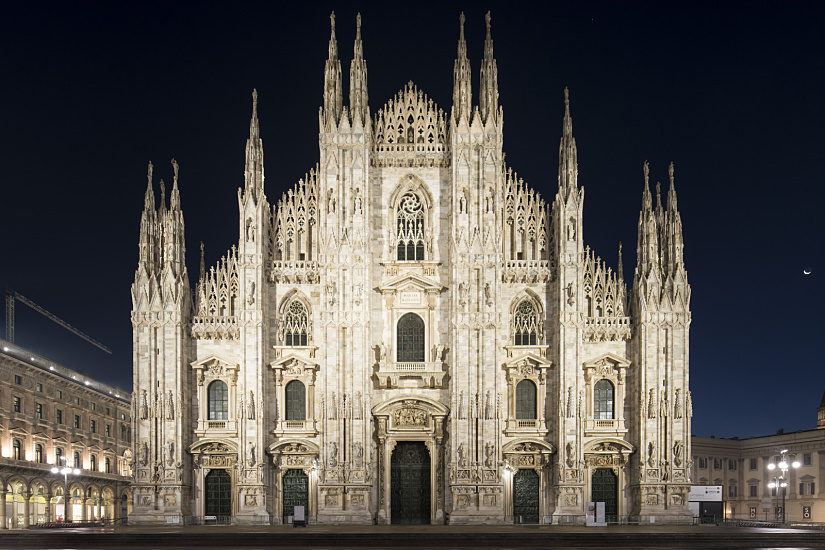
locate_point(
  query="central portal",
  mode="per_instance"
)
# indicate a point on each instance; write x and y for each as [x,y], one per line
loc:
[604,490]
[219,495]
[410,483]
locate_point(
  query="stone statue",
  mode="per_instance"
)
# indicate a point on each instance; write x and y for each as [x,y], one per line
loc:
[462,456]
[144,406]
[170,406]
[143,454]
[332,457]
[678,453]
[250,454]
[170,453]
[250,406]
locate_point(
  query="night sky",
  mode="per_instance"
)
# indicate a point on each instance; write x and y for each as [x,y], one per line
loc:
[732,93]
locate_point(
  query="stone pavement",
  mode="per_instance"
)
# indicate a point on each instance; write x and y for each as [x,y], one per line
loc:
[419,536]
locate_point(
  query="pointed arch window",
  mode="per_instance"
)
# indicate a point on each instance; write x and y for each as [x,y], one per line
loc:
[296,324]
[410,337]
[218,400]
[526,400]
[295,400]
[410,228]
[525,324]
[603,400]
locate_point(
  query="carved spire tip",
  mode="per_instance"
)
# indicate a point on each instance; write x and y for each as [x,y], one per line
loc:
[487,20]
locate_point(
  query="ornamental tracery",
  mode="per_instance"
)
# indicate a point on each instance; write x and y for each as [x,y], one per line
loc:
[409,234]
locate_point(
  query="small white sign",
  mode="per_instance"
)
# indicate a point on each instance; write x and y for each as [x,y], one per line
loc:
[410,297]
[706,493]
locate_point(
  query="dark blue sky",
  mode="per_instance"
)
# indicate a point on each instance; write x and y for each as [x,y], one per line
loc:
[733,94]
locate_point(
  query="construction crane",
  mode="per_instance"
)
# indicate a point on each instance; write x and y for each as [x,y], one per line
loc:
[11,296]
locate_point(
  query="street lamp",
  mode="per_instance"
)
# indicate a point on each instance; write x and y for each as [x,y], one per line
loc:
[781,481]
[65,470]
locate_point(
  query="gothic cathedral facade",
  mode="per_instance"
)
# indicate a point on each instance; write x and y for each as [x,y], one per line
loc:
[411,335]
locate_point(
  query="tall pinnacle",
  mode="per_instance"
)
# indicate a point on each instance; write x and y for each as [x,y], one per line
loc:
[333,95]
[488,90]
[254,168]
[149,198]
[568,161]
[462,87]
[358,97]
[174,200]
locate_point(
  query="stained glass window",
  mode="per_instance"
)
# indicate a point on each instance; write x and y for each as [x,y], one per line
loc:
[296,324]
[218,401]
[410,339]
[295,401]
[410,228]
[525,400]
[525,323]
[603,400]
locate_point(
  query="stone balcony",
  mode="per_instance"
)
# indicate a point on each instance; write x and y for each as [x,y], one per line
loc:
[429,374]
[296,428]
[604,427]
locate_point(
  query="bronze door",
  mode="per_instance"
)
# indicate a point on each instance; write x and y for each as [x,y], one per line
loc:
[219,495]
[526,497]
[296,492]
[410,483]
[604,490]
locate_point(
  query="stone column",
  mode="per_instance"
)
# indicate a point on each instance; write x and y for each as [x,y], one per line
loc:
[3,509]
[67,506]
[83,509]
[26,509]
[49,508]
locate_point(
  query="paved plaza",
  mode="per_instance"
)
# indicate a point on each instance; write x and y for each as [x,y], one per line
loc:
[421,536]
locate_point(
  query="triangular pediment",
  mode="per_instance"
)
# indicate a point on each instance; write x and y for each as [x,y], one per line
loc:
[607,359]
[213,360]
[19,432]
[294,360]
[60,440]
[528,358]
[410,282]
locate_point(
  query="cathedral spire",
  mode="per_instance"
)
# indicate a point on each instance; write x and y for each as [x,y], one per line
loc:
[254,168]
[358,97]
[202,266]
[488,92]
[462,87]
[675,243]
[620,267]
[568,161]
[647,248]
[174,199]
[333,98]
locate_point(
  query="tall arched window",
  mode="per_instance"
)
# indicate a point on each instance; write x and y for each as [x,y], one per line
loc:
[77,460]
[17,450]
[525,324]
[218,401]
[603,400]
[38,453]
[93,463]
[107,465]
[296,324]
[410,336]
[526,400]
[410,228]
[295,401]
[58,457]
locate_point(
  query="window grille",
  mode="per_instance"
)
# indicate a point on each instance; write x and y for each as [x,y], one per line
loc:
[410,228]
[526,324]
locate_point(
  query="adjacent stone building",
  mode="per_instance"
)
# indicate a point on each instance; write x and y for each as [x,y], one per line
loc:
[52,415]
[740,467]
[412,334]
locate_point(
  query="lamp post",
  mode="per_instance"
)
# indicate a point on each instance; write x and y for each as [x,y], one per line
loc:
[65,470]
[780,482]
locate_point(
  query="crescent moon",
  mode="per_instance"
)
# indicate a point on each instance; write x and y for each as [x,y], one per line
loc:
[806,272]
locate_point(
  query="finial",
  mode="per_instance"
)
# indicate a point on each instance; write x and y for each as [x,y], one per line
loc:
[670,171]
[332,21]
[647,173]
[487,19]
[461,27]
[150,172]
[254,100]
[358,26]
[566,100]
[175,168]
[162,193]
[203,264]
[658,194]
